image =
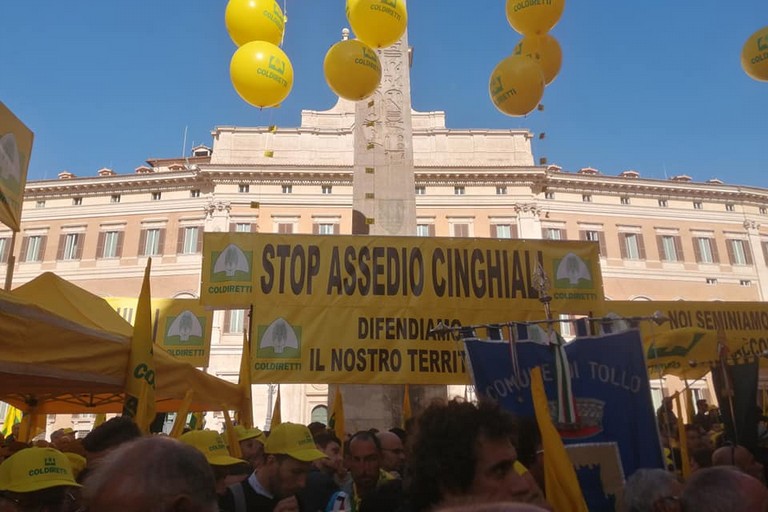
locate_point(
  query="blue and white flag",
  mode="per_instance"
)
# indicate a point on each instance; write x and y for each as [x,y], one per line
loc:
[612,395]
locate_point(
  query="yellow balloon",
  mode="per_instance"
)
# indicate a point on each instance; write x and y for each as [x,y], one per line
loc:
[254,20]
[545,50]
[261,74]
[517,85]
[378,23]
[754,55]
[530,17]
[352,69]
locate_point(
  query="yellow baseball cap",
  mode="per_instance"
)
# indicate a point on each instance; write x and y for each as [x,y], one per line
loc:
[211,444]
[33,469]
[77,462]
[293,440]
[243,433]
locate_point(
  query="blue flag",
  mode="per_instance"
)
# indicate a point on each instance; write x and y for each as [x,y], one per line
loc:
[612,395]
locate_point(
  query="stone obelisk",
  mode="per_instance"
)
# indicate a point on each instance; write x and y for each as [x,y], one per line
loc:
[384,204]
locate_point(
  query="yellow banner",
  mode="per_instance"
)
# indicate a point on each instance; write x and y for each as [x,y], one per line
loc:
[345,309]
[15,151]
[687,343]
[181,326]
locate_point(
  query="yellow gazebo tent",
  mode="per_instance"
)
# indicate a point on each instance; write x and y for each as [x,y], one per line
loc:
[65,350]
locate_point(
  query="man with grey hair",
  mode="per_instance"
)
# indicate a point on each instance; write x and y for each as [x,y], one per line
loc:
[724,489]
[651,490]
[157,474]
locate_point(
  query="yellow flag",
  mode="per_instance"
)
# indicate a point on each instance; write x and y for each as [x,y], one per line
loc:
[685,463]
[336,421]
[407,412]
[197,421]
[12,417]
[140,381]
[232,442]
[276,416]
[32,424]
[181,416]
[245,415]
[562,486]
[100,418]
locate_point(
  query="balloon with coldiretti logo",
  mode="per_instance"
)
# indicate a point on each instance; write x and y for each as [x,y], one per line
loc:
[378,23]
[531,17]
[254,20]
[517,85]
[545,50]
[352,69]
[261,74]
[754,55]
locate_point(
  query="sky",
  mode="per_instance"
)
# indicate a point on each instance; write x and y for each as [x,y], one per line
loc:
[654,86]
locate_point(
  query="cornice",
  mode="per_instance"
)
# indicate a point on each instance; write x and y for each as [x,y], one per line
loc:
[99,185]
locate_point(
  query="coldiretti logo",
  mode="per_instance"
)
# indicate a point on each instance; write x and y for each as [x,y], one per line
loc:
[231,264]
[391,3]
[184,329]
[496,85]
[369,54]
[279,340]
[276,64]
[655,352]
[572,272]
[762,42]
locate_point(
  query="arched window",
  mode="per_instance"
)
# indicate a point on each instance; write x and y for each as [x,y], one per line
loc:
[320,414]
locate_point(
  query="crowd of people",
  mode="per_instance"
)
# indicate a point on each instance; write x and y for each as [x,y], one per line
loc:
[455,456]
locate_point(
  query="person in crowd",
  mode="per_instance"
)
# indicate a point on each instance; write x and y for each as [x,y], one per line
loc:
[667,420]
[392,453]
[651,490]
[723,489]
[62,438]
[108,436]
[700,459]
[741,458]
[324,478]
[251,444]
[703,416]
[37,480]
[401,433]
[227,470]
[462,451]
[316,427]
[156,473]
[290,451]
[493,507]
[695,437]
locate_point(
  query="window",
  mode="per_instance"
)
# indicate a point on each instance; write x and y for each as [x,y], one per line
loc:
[190,240]
[425,230]
[553,234]
[705,250]
[285,227]
[421,190]
[763,210]
[663,203]
[670,248]
[110,244]
[320,414]
[624,200]
[5,244]
[156,196]
[501,190]
[327,189]
[505,231]
[461,230]
[114,198]
[243,188]
[33,248]
[745,282]
[586,198]
[729,207]
[739,253]
[632,246]
[240,227]
[77,201]
[195,192]
[234,320]
[325,228]
[151,242]
[593,235]
[40,203]
[69,246]
[765,251]
[549,195]
[287,189]
[459,191]
[711,280]
[697,205]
